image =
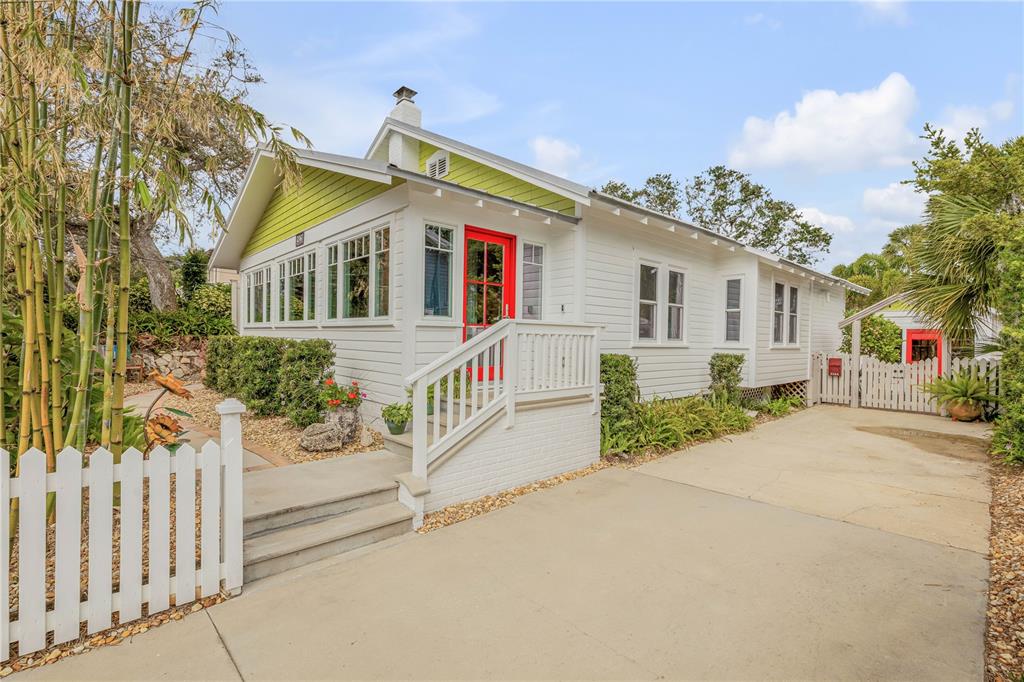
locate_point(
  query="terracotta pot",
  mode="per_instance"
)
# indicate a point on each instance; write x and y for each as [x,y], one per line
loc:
[964,412]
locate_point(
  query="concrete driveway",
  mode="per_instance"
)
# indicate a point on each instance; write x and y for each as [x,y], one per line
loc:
[809,548]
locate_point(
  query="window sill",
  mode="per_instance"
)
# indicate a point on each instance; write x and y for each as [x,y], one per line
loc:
[783,346]
[442,322]
[731,346]
[383,322]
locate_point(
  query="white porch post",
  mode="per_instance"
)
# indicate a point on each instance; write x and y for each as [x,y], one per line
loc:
[230,412]
[855,364]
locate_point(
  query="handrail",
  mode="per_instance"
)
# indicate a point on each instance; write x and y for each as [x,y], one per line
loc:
[463,349]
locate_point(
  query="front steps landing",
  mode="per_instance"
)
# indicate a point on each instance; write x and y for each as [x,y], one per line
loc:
[298,514]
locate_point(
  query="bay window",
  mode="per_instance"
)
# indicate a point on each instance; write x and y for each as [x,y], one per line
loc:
[381,272]
[356,277]
[332,282]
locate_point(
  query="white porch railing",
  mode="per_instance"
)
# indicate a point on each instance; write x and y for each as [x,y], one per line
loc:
[510,362]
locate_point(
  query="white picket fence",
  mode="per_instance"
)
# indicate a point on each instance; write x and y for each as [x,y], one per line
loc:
[216,560]
[891,385]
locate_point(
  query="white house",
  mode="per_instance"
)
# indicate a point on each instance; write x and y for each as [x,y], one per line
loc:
[407,254]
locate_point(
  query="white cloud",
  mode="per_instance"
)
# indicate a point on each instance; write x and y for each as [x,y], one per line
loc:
[956,121]
[555,156]
[760,19]
[831,131]
[886,11]
[895,204]
[831,222]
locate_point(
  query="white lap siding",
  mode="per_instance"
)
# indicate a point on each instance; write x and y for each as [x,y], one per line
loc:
[829,310]
[665,368]
[367,351]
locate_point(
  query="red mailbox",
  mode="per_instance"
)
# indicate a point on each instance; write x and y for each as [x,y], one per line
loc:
[835,367]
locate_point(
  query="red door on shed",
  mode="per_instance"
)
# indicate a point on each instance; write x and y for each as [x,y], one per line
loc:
[923,344]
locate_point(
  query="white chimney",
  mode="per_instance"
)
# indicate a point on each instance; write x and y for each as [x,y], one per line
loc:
[405,109]
[404,151]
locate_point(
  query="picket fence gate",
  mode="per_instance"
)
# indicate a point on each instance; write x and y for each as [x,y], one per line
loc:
[891,385]
[217,559]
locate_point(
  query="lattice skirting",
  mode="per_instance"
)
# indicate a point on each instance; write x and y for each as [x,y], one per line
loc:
[794,389]
[754,394]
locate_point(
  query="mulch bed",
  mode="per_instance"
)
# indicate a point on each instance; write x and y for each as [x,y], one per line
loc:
[277,434]
[1004,636]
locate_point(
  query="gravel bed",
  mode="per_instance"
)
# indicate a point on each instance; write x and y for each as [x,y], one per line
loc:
[137,387]
[1004,636]
[274,433]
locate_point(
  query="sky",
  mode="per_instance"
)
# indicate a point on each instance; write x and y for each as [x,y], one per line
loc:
[824,103]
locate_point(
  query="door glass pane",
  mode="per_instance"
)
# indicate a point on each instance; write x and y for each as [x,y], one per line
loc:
[494,304]
[495,263]
[474,303]
[475,260]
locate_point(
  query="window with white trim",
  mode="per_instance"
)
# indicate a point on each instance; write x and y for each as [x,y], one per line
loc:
[675,316]
[301,299]
[778,311]
[282,285]
[794,315]
[438,253]
[356,277]
[381,271]
[533,281]
[332,282]
[647,303]
[248,299]
[257,306]
[733,308]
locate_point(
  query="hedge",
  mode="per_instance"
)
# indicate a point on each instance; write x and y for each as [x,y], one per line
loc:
[880,338]
[621,393]
[271,376]
[725,376]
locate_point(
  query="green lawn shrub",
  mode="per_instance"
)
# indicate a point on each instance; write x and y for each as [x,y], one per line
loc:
[212,299]
[304,367]
[780,407]
[621,393]
[880,338]
[182,322]
[668,424]
[725,376]
[1008,432]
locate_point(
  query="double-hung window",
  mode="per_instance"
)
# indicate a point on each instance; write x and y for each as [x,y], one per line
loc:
[301,289]
[533,281]
[785,314]
[676,289]
[332,282]
[356,277]
[794,317]
[733,308]
[778,311]
[258,296]
[381,271]
[438,251]
[647,304]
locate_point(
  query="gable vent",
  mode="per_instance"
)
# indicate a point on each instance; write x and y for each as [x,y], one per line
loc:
[437,165]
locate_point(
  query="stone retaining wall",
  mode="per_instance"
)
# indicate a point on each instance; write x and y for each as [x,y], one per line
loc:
[186,365]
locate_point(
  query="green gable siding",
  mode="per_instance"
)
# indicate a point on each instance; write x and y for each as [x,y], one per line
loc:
[467,173]
[321,195]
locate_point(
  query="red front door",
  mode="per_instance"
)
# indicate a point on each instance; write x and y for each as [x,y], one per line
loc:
[489,279]
[924,344]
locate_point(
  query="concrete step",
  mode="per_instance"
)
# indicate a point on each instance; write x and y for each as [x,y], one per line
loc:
[402,443]
[293,546]
[300,493]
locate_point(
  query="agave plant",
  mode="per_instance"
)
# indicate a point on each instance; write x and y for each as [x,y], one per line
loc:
[963,389]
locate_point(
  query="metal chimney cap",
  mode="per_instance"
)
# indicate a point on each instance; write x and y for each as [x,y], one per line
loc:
[404,93]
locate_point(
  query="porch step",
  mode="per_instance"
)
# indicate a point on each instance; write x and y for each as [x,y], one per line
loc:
[293,546]
[401,444]
[297,514]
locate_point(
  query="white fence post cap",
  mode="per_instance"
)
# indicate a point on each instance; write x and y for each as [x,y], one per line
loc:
[230,406]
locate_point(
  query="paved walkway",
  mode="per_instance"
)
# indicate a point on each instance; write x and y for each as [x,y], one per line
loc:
[669,570]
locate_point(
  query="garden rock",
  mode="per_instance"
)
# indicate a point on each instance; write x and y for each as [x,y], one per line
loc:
[324,437]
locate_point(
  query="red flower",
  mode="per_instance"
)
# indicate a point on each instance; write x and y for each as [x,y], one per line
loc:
[334,403]
[352,396]
[329,382]
[355,383]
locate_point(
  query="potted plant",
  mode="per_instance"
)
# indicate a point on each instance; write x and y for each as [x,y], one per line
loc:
[342,402]
[397,416]
[963,395]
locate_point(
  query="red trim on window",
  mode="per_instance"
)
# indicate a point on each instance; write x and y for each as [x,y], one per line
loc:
[924,335]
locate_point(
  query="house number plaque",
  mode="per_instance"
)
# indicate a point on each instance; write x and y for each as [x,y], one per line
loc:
[300,239]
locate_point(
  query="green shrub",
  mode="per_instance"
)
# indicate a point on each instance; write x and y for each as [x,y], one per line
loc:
[193,272]
[253,374]
[212,299]
[661,425]
[1008,434]
[779,407]
[218,350]
[880,338]
[304,367]
[621,393]
[726,377]
[182,322]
